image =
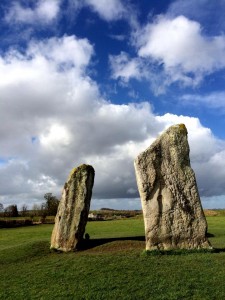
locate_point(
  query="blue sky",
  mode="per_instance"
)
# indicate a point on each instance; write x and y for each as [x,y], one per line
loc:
[87,81]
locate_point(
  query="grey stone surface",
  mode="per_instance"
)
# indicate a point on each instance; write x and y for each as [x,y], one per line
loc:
[73,209]
[173,215]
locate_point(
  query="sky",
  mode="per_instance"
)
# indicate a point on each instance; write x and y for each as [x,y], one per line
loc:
[96,81]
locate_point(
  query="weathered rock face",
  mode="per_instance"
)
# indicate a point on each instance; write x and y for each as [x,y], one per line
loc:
[73,209]
[172,210]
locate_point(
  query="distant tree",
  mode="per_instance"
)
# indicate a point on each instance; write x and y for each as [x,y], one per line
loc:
[14,211]
[43,212]
[1,209]
[51,205]
[36,210]
[11,211]
[24,210]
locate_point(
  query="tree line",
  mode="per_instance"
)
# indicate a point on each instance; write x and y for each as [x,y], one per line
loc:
[47,208]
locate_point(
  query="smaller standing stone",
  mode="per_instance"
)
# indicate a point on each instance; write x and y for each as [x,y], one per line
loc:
[73,209]
[173,215]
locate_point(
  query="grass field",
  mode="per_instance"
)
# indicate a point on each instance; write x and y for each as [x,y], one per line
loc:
[113,267]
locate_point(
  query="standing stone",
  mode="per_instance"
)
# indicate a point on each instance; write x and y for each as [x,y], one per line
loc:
[173,215]
[73,209]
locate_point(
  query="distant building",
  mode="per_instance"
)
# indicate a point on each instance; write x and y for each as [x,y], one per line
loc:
[94,217]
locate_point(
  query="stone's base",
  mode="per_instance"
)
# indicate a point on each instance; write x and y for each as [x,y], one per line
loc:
[172,210]
[180,245]
[73,210]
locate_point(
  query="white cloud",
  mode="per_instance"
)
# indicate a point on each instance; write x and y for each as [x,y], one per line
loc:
[65,52]
[56,136]
[57,55]
[180,46]
[48,9]
[171,50]
[36,88]
[108,9]
[44,11]
[123,67]
[55,118]
[111,10]
[206,12]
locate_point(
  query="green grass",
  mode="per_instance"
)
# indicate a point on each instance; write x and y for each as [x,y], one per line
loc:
[114,267]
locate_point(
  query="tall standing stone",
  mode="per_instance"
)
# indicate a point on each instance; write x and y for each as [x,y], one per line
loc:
[173,215]
[73,209]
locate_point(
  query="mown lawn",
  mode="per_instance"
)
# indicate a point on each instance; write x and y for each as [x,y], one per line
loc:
[113,267]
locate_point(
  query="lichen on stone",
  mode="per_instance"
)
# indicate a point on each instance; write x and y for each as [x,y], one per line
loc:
[76,169]
[182,127]
[71,173]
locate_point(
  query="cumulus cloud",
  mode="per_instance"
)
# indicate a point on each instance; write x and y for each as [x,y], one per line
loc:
[112,10]
[181,47]
[179,42]
[44,11]
[66,52]
[201,11]
[55,118]
[123,67]
[108,10]
[55,137]
[171,50]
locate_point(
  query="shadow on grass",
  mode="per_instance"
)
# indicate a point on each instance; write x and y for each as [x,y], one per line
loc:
[92,243]
[89,243]
[219,250]
[210,234]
